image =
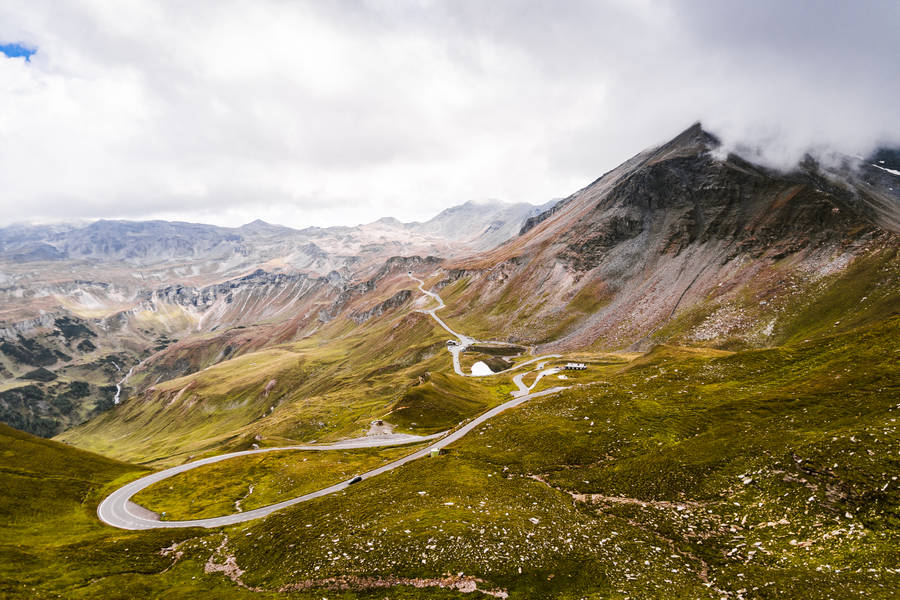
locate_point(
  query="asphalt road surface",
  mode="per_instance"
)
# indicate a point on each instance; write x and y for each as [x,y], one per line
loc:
[119,511]
[464,340]
[524,389]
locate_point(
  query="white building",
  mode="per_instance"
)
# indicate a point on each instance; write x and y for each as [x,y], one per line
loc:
[576,366]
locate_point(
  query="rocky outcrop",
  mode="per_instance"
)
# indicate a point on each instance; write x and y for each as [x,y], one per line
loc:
[38,252]
[13,330]
[697,198]
[394,302]
[531,222]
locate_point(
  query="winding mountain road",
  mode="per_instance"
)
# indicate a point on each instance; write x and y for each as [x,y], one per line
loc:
[524,389]
[464,340]
[118,510]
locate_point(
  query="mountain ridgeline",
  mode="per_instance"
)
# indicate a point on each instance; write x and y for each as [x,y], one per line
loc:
[679,244]
[125,291]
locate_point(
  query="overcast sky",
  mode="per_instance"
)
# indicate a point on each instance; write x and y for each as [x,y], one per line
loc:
[326,113]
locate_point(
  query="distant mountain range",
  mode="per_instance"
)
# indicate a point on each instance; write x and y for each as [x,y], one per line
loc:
[464,228]
[134,287]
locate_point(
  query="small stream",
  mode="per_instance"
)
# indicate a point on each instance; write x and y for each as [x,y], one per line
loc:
[120,384]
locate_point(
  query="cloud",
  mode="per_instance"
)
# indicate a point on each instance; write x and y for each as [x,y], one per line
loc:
[327,113]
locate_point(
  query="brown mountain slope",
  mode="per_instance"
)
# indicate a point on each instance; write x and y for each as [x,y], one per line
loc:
[674,228]
[677,245]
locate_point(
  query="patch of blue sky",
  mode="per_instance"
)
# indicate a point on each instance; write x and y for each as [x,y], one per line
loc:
[15,50]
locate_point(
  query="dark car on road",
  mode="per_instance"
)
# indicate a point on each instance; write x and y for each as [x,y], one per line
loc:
[356,479]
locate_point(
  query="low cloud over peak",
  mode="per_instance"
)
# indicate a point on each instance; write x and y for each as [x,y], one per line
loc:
[340,113]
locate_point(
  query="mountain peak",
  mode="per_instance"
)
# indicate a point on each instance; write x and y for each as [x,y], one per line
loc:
[692,140]
[260,226]
[257,223]
[391,221]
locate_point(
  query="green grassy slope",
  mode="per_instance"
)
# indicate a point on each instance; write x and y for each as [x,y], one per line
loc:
[322,388]
[53,546]
[784,305]
[257,480]
[682,473]
[762,474]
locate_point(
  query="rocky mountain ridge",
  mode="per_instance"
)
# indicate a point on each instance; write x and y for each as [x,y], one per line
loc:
[674,227]
[678,244]
[138,287]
